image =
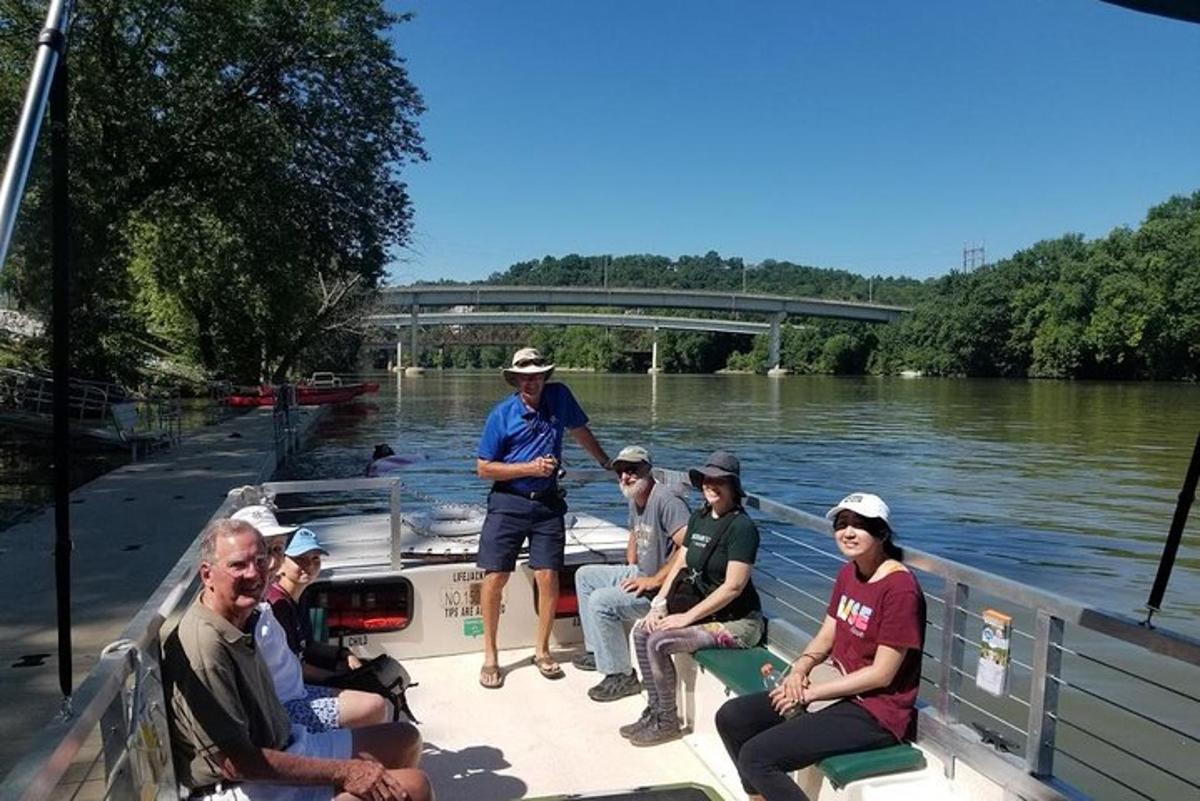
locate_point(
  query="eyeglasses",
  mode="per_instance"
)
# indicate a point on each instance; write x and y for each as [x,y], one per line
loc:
[530,363]
[240,569]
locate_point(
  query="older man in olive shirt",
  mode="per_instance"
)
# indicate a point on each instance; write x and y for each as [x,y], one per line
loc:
[232,739]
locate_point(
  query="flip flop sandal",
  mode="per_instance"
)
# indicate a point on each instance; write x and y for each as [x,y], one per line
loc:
[548,667]
[491,677]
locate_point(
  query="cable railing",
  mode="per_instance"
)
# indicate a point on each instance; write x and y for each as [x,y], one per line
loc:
[1113,698]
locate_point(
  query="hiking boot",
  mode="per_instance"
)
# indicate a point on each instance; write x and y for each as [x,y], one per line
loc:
[616,686]
[584,661]
[661,728]
[630,729]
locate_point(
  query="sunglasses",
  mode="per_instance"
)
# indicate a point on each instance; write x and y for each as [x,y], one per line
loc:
[530,363]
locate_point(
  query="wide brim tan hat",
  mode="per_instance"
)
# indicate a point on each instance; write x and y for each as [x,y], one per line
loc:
[527,361]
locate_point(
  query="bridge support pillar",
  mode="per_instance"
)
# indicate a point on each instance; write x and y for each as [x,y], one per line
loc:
[773,354]
[398,366]
[414,330]
[654,368]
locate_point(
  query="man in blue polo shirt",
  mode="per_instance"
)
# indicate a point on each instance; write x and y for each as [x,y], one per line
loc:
[520,452]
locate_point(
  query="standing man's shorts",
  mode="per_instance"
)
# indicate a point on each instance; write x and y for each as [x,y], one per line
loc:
[512,518]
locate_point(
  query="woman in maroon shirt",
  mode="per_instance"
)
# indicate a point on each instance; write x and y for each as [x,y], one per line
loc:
[873,634]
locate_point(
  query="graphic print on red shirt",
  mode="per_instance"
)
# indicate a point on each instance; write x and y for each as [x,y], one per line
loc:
[889,612]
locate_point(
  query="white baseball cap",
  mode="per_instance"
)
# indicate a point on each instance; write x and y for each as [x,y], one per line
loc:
[865,504]
[263,519]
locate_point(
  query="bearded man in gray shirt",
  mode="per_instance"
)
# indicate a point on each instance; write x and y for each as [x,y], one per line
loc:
[612,595]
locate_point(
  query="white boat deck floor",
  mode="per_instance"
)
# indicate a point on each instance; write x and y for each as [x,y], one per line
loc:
[534,736]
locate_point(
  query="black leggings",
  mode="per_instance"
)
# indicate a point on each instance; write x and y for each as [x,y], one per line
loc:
[766,746]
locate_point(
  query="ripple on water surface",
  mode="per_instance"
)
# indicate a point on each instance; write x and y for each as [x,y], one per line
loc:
[1069,486]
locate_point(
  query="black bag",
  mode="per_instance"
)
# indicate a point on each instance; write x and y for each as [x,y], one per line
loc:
[384,676]
[685,591]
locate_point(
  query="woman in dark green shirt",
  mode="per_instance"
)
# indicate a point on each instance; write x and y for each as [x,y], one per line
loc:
[719,550]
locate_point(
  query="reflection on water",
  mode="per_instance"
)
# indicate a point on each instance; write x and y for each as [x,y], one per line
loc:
[26,481]
[26,463]
[1069,486]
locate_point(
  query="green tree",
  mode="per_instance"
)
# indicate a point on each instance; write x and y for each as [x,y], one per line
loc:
[280,131]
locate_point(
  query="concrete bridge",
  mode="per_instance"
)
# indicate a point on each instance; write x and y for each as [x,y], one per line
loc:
[776,308]
[653,323]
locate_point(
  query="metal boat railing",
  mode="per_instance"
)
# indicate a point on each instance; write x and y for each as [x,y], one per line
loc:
[1098,706]
[1085,713]
[285,423]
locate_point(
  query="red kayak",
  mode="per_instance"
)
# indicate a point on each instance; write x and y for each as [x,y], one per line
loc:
[305,396]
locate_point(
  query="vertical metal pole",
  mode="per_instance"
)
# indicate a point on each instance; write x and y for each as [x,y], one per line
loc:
[399,354]
[954,626]
[1043,694]
[1187,494]
[61,321]
[51,44]
[654,350]
[416,312]
[396,525]
[114,736]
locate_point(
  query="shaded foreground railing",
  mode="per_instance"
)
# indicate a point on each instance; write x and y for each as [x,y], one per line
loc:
[1098,706]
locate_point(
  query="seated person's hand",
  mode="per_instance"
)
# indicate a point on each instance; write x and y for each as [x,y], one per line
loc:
[639,585]
[370,780]
[676,621]
[353,662]
[789,693]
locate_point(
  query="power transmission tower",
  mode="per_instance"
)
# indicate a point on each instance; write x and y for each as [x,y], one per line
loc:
[973,256]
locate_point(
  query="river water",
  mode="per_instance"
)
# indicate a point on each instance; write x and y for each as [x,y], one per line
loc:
[1068,486]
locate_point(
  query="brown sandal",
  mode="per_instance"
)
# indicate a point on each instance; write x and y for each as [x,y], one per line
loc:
[548,667]
[491,677]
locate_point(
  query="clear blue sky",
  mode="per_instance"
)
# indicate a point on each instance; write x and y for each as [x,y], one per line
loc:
[878,137]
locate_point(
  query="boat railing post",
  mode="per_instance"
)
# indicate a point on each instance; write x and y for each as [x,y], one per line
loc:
[954,626]
[1043,693]
[395,521]
[114,734]
[162,767]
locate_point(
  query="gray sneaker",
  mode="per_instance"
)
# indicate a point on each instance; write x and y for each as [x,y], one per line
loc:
[661,729]
[616,686]
[630,729]
[584,661]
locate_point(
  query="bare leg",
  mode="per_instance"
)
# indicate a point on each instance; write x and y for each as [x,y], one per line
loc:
[493,589]
[357,709]
[393,745]
[547,584]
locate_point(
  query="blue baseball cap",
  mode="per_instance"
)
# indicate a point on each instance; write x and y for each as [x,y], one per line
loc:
[302,542]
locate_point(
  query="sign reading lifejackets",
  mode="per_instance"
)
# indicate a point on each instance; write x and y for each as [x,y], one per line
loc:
[463,597]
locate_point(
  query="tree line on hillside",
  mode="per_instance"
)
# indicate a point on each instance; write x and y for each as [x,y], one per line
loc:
[1126,306]
[235,169]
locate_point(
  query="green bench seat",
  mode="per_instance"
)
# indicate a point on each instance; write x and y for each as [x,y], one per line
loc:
[741,671]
